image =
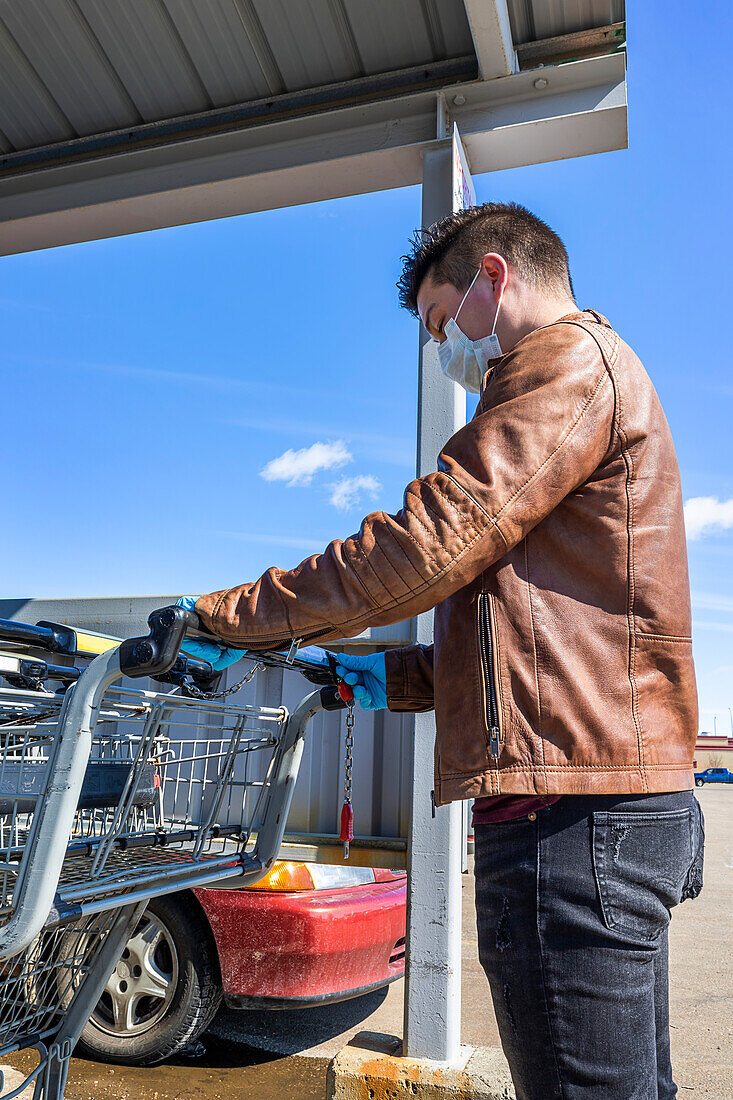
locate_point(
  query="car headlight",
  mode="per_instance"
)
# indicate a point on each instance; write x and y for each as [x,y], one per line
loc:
[286,876]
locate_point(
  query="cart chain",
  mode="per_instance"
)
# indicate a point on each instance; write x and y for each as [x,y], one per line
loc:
[348,762]
[347,810]
[197,692]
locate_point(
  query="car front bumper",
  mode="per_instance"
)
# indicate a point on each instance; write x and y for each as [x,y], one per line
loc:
[289,950]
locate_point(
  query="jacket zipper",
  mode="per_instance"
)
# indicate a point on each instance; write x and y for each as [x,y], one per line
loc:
[282,640]
[488,669]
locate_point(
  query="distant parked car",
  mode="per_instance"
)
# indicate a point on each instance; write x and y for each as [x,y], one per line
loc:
[713,775]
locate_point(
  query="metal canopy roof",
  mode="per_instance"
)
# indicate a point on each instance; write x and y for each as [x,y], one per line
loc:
[99,87]
[80,67]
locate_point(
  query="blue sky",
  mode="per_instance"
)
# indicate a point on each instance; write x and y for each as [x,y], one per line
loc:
[150,380]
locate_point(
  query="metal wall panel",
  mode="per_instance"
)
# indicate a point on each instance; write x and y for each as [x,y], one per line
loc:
[146,51]
[29,115]
[227,45]
[310,47]
[455,28]
[389,35]
[532,20]
[67,57]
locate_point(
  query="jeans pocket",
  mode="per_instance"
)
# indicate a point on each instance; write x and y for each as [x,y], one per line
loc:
[641,861]
[693,880]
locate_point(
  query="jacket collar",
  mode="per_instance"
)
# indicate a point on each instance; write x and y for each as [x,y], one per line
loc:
[583,314]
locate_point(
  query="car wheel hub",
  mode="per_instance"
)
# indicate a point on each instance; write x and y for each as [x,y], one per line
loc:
[141,988]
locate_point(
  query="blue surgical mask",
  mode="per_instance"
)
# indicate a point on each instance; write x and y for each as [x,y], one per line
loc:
[465,360]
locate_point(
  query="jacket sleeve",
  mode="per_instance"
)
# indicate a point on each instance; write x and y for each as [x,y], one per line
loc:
[410,678]
[542,427]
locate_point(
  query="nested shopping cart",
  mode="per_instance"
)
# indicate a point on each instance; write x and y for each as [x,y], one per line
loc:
[110,795]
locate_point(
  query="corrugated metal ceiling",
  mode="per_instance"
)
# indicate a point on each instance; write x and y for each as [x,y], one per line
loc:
[75,68]
[533,20]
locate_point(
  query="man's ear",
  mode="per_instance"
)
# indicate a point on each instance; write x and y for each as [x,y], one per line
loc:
[495,267]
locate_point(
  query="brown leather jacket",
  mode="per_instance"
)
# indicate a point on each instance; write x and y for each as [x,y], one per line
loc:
[551,543]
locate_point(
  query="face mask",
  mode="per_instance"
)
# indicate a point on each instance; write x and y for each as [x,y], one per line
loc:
[465,360]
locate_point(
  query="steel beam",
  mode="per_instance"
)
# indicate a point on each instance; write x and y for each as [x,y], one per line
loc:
[432,1020]
[563,47]
[526,118]
[492,37]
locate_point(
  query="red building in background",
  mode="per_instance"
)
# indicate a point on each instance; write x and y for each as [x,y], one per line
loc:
[713,751]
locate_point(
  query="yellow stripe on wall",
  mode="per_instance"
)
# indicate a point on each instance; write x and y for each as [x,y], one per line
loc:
[94,644]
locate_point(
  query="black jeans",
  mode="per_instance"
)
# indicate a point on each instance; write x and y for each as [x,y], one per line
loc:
[572,910]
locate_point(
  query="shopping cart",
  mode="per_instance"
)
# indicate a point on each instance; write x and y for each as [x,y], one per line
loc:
[111,795]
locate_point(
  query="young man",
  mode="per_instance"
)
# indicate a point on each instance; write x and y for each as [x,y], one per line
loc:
[550,542]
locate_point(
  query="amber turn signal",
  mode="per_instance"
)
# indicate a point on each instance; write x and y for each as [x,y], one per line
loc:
[285,876]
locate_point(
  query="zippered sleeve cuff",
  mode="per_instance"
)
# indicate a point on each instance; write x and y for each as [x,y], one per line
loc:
[410,678]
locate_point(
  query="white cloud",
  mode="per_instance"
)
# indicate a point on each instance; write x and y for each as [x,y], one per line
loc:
[346,493]
[299,467]
[706,514]
[202,378]
[311,545]
[712,601]
[701,624]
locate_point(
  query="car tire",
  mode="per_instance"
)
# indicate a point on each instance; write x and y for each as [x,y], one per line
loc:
[182,969]
[699,782]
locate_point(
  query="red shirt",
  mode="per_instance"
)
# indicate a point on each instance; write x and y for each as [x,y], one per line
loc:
[508,807]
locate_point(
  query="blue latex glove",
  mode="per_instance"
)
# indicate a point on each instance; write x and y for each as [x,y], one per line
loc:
[216,653]
[367,676]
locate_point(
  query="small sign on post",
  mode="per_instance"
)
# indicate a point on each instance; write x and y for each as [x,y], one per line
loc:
[464,193]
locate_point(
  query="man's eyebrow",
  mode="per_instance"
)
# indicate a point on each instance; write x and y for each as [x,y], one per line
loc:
[427,315]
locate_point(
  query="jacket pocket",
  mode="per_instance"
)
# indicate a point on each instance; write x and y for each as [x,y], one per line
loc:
[488,665]
[640,861]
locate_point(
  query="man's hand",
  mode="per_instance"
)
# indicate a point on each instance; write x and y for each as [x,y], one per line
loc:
[218,655]
[367,676]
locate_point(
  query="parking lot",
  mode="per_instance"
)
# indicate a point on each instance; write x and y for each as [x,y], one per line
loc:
[285,1054]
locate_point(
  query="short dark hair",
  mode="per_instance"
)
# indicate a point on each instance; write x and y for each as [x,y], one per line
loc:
[452,248]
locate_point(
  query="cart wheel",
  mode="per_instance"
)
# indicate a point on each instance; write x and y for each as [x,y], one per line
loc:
[699,782]
[164,991]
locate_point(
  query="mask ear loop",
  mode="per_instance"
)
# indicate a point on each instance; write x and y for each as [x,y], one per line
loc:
[498,307]
[473,280]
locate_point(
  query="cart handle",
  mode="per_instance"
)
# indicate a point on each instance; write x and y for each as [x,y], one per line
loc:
[61,639]
[50,636]
[155,654]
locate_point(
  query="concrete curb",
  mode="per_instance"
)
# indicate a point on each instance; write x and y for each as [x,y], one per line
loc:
[371,1067]
[12,1079]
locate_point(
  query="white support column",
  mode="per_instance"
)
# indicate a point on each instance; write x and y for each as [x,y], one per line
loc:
[432,1025]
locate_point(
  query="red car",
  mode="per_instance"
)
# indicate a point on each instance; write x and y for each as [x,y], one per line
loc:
[306,934]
